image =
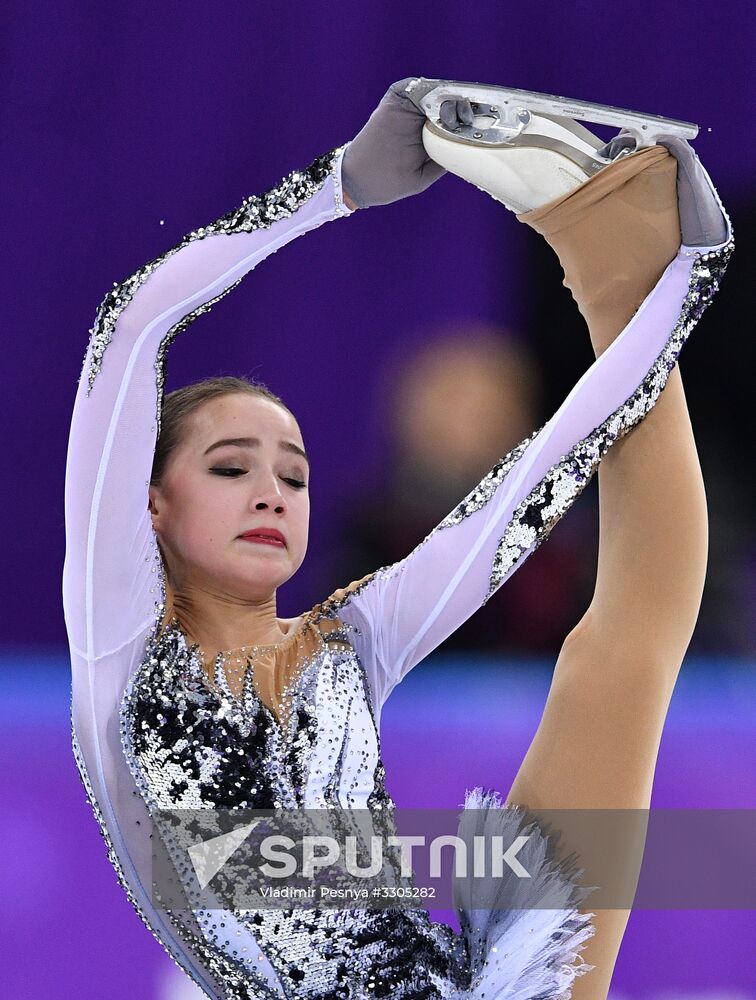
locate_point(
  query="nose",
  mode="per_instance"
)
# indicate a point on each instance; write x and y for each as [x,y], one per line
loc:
[268,496]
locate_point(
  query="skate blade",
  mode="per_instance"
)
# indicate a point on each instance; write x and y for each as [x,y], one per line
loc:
[505,112]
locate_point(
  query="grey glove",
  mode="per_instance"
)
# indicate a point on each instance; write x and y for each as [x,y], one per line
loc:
[386,160]
[702,221]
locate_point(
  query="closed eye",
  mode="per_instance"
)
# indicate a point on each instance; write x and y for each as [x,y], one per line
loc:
[232,473]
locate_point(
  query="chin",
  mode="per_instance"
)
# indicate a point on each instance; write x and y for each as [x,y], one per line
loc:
[262,580]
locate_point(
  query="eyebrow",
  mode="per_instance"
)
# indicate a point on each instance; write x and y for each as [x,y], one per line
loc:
[254,442]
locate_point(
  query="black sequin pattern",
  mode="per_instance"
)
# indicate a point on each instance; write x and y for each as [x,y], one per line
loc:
[535,517]
[237,982]
[192,746]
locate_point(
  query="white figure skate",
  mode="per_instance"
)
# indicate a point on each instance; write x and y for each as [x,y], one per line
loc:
[525,148]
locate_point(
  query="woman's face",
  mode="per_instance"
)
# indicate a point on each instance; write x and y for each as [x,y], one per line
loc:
[212,493]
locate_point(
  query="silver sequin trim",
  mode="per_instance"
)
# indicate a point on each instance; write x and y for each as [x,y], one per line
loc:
[489,484]
[537,514]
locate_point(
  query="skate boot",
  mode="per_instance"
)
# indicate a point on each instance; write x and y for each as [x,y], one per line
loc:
[524,148]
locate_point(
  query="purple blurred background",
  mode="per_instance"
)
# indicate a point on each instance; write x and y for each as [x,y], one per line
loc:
[117,118]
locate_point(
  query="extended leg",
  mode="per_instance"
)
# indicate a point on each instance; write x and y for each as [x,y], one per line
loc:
[597,742]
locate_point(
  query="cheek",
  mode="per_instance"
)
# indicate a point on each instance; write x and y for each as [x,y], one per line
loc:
[200,518]
[302,519]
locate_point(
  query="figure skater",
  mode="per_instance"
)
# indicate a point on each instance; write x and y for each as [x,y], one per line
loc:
[185,513]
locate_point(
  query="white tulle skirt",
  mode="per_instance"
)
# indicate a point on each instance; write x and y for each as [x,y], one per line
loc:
[524,935]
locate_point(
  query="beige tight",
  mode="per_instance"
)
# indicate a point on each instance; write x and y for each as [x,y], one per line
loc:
[614,235]
[598,739]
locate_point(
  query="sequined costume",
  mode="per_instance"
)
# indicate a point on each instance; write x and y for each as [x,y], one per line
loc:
[150,729]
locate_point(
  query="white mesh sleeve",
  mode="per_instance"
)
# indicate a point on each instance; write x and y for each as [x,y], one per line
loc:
[403,611]
[109,570]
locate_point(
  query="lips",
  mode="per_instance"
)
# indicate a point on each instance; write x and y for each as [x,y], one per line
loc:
[265,536]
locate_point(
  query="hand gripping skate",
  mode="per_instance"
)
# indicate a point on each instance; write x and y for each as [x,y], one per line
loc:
[525,148]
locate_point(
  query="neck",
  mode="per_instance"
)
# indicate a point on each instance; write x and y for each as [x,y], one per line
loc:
[220,623]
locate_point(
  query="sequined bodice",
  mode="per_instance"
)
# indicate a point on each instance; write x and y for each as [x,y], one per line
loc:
[191,744]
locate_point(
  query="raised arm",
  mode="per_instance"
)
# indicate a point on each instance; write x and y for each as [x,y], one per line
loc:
[109,590]
[405,610]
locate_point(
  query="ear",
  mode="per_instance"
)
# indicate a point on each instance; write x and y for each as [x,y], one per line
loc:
[154,504]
